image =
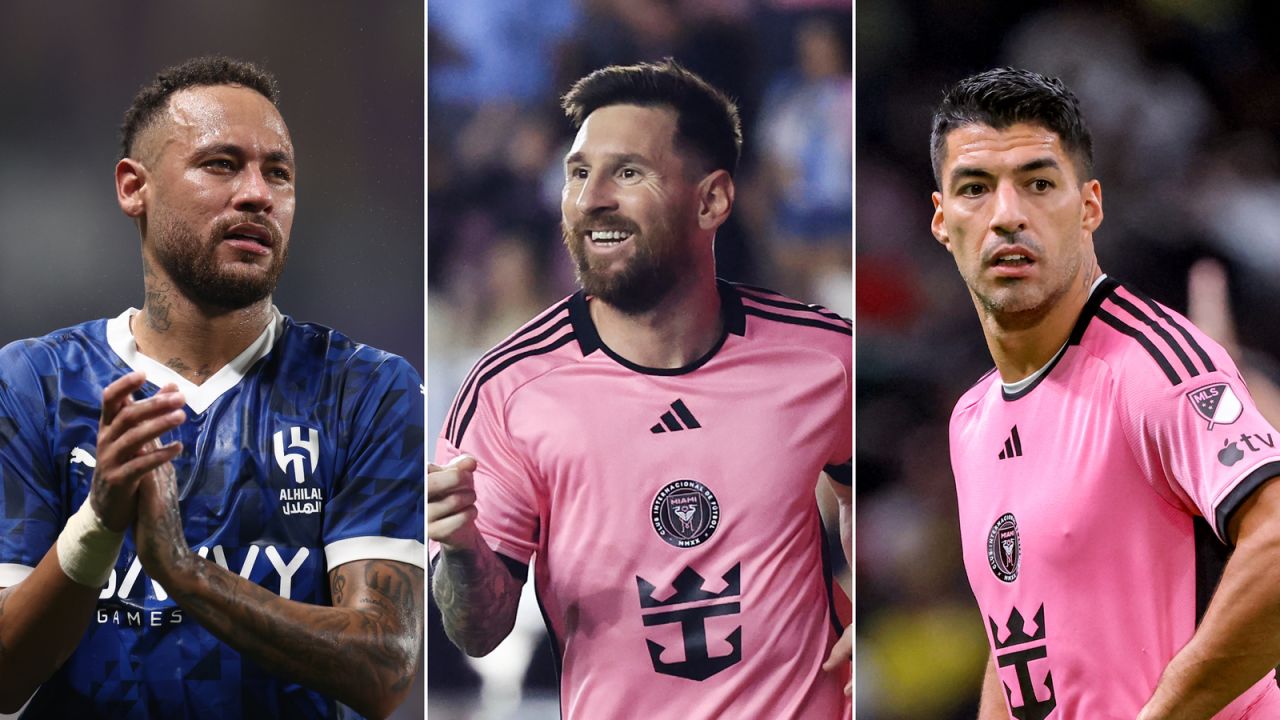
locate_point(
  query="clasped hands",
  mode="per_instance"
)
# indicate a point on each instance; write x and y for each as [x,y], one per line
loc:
[134,484]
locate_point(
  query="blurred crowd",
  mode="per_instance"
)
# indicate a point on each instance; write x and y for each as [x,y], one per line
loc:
[1184,103]
[497,138]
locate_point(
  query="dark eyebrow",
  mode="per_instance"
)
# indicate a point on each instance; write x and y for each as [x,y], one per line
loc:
[616,159]
[275,156]
[961,172]
[1039,164]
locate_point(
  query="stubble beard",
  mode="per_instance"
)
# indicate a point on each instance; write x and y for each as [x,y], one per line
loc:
[1022,303]
[646,278]
[191,264]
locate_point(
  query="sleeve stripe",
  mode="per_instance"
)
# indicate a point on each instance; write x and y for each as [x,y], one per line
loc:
[1164,334]
[1191,341]
[341,552]
[11,574]
[1146,344]
[842,474]
[1239,493]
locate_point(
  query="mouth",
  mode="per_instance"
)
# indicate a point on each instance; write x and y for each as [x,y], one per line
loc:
[249,237]
[1011,260]
[608,238]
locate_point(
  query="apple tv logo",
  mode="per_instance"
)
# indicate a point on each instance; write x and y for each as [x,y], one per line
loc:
[1231,453]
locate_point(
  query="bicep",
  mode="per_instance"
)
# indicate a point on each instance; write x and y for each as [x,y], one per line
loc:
[389,591]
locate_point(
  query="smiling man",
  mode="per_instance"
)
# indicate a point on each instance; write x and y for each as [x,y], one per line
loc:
[1112,460]
[208,509]
[654,441]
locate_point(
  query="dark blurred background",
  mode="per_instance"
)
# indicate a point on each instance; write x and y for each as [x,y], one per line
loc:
[496,143]
[351,79]
[1183,99]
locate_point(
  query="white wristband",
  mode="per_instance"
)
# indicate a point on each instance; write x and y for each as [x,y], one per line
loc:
[87,549]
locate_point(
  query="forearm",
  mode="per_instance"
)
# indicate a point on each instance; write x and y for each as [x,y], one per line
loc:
[992,706]
[364,656]
[1238,640]
[477,597]
[42,620]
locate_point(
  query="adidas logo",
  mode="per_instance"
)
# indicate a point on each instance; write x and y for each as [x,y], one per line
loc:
[1012,445]
[672,422]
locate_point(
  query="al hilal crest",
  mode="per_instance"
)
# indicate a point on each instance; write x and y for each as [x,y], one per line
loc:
[1216,403]
[685,513]
[1004,548]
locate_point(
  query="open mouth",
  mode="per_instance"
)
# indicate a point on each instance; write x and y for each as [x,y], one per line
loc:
[608,238]
[249,237]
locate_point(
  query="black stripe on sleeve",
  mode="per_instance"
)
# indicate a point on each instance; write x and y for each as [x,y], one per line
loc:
[475,396]
[1191,341]
[1155,326]
[842,474]
[792,305]
[1146,344]
[1238,494]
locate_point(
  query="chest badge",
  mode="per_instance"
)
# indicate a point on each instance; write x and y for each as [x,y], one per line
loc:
[1216,403]
[1004,548]
[685,513]
[302,452]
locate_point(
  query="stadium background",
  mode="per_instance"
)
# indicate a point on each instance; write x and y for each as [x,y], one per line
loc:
[351,79]
[496,142]
[1184,102]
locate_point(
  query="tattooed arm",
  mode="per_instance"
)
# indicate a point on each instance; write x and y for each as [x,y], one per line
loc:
[364,651]
[476,593]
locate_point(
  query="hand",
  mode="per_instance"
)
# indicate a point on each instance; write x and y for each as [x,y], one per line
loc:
[128,446]
[158,534]
[451,503]
[841,656]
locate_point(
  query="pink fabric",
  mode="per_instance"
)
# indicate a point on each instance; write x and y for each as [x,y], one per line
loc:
[1113,462]
[569,473]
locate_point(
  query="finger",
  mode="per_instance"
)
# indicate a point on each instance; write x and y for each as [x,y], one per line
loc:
[451,505]
[138,411]
[143,464]
[444,482]
[443,530]
[463,462]
[841,653]
[116,395]
[132,441]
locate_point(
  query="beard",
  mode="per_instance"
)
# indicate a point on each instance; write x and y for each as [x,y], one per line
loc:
[656,261]
[191,263]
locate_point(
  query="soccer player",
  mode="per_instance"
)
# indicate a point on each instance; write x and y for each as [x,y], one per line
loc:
[1112,460]
[653,441]
[207,508]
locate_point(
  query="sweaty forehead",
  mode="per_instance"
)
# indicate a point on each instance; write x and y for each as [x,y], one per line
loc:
[217,114]
[986,147]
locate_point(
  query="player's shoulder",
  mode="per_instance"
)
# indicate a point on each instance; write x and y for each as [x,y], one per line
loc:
[1145,343]
[546,342]
[976,393]
[772,317]
[67,350]
[324,350]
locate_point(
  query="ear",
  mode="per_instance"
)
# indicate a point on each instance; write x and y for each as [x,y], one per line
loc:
[131,182]
[715,199]
[1091,197]
[939,227]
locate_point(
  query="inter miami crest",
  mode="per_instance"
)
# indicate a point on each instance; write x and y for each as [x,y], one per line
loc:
[1216,403]
[1004,548]
[685,513]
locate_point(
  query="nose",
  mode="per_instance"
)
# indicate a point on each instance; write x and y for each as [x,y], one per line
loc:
[596,194]
[253,194]
[1008,216]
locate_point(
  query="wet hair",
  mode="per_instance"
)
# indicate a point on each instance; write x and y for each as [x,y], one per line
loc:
[707,120]
[196,72]
[1007,96]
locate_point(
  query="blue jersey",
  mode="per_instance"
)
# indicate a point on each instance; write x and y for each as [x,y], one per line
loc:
[303,453]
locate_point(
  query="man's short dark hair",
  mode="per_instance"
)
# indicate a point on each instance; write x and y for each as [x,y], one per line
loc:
[706,119]
[196,72]
[1007,96]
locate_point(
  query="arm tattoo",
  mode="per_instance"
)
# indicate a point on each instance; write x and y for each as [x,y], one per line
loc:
[477,597]
[370,651]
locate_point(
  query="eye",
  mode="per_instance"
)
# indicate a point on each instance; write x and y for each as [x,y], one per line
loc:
[576,173]
[223,164]
[281,173]
[1041,185]
[971,190]
[628,173]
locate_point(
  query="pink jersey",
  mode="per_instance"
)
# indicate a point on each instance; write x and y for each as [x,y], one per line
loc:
[680,561]
[1093,505]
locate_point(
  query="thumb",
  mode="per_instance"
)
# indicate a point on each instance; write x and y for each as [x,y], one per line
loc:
[461,462]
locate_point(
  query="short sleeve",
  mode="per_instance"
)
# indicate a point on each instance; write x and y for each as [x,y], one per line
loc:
[31,503]
[506,504]
[1203,438]
[377,508]
[840,463]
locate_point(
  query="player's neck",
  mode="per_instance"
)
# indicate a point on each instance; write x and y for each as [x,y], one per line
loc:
[1021,345]
[681,329]
[192,341]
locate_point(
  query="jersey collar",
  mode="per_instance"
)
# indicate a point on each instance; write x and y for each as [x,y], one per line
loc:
[584,328]
[199,397]
[1102,288]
